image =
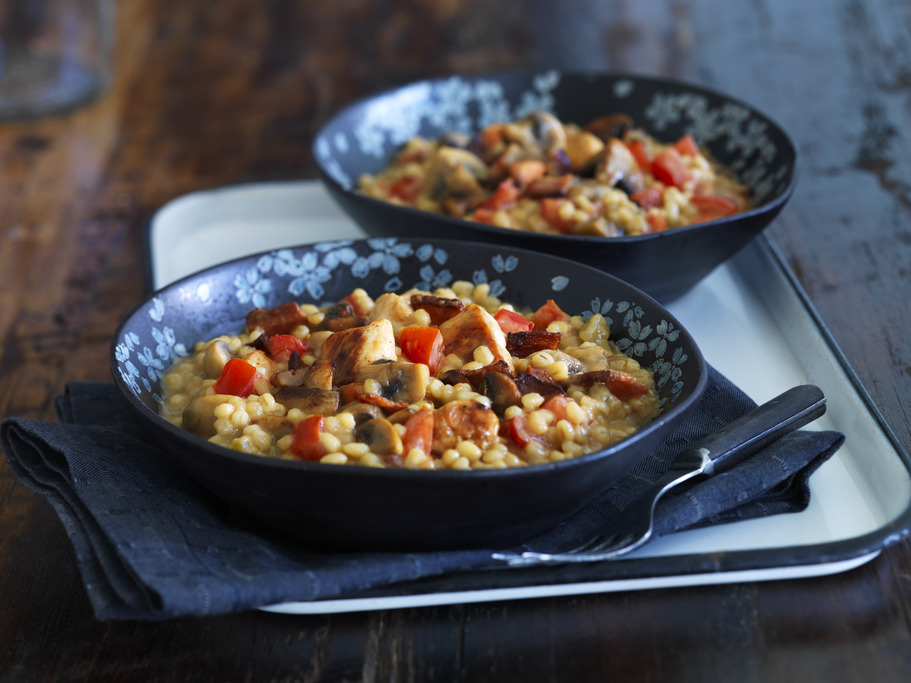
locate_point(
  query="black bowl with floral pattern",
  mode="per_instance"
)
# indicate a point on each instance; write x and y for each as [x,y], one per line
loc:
[364,137]
[361,508]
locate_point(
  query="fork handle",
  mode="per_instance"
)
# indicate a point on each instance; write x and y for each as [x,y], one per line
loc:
[748,434]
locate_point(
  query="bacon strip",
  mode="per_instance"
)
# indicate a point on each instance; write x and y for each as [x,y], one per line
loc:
[279,320]
[440,309]
[523,344]
[621,384]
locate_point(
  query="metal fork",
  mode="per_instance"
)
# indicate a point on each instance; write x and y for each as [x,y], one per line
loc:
[718,452]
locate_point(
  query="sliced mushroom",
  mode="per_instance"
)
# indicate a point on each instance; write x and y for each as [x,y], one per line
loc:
[199,415]
[610,126]
[217,354]
[308,401]
[399,380]
[341,316]
[362,411]
[618,163]
[276,425]
[502,391]
[540,130]
[380,436]
[453,172]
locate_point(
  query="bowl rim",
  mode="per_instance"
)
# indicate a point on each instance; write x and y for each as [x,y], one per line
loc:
[774,204]
[146,414]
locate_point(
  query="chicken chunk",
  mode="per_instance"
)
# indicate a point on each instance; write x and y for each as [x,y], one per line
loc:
[464,421]
[392,307]
[358,347]
[470,329]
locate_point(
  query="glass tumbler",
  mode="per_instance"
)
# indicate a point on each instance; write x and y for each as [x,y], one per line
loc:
[54,55]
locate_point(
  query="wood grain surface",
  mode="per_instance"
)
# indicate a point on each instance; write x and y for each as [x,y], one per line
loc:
[211,93]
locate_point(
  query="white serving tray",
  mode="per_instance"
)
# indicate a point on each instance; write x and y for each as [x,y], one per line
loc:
[753,323]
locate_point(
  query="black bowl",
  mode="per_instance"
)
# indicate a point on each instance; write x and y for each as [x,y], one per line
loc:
[362,508]
[364,137]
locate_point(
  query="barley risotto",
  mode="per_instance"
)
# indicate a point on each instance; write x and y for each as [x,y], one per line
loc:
[540,174]
[449,379]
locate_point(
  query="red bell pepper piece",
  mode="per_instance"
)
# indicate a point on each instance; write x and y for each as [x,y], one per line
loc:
[422,345]
[406,188]
[517,430]
[670,168]
[656,221]
[505,196]
[640,154]
[687,146]
[305,441]
[510,321]
[550,212]
[649,198]
[713,206]
[547,314]
[237,378]
[419,431]
[281,346]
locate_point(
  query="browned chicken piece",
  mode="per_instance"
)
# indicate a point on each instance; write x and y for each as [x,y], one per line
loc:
[582,147]
[357,347]
[464,421]
[472,328]
[319,376]
[392,307]
[279,320]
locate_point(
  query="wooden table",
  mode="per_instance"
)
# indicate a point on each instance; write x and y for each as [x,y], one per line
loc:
[213,93]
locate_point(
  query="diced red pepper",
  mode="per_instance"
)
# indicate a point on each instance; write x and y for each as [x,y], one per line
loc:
[640,154]
[656,221]
[419,431]
[305,441]
[517,430]
[483,215]
[713,206]
[237,378]
[649,198]
[510,321]
[505,196]
[422,345]
[281,346]
[687,146]
[526,172]
[492,135]
[557,405]
[547,314]
[670,168]
[406,188]
[550,212]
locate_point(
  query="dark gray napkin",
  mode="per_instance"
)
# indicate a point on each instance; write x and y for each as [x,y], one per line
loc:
[151,544]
